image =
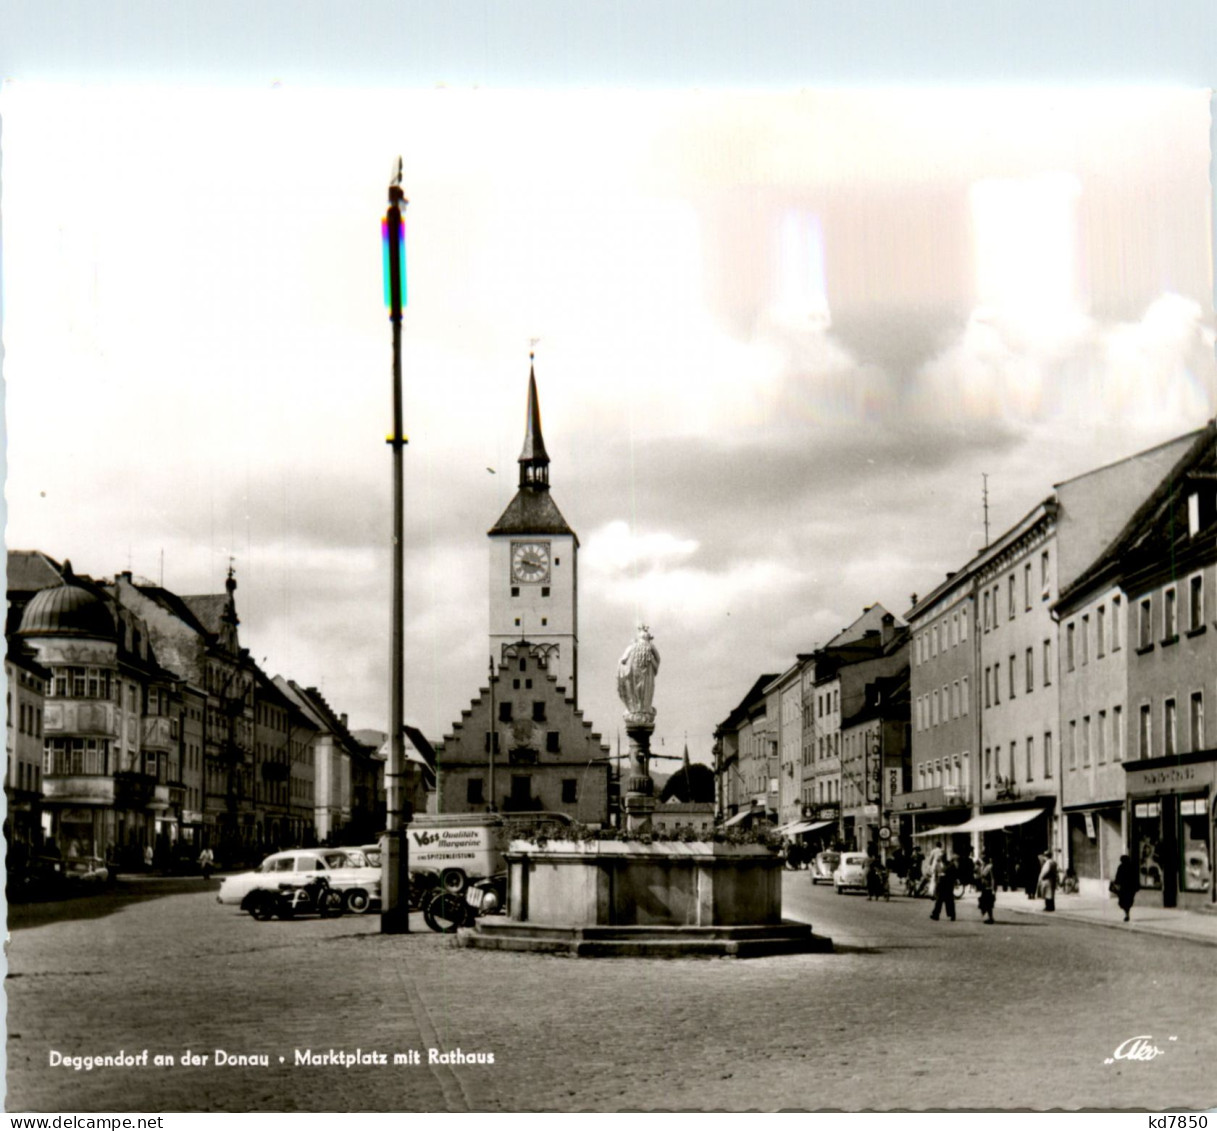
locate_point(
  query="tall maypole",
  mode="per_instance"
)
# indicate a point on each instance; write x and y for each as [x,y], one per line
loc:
[395,876]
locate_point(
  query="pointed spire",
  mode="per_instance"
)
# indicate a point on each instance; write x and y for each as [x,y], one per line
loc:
[534,460]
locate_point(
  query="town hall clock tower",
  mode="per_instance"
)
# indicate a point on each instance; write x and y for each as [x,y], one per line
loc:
[534,595]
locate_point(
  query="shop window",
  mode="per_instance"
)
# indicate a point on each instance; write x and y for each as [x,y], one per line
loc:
[1195,870]
[1146,839]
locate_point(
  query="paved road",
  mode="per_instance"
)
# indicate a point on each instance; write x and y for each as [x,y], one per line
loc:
[907,1014]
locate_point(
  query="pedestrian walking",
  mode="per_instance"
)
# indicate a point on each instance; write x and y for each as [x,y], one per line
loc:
[148,857]
[1049,873]
[206,862]
[943,879]
[1126,885]
[987,886]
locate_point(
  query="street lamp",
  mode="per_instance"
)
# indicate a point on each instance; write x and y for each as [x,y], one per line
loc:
[395,878]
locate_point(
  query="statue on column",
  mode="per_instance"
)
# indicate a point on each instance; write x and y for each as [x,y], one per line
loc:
[636,679]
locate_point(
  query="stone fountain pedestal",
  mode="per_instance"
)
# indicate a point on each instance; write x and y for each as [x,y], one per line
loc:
[672,899]
[668,899]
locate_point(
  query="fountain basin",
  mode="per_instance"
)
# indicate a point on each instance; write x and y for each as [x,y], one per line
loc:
[669,899]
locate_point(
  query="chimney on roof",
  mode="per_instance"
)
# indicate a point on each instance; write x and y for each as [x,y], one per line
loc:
[912,600]
[889,628]
[343,719]
[126,575]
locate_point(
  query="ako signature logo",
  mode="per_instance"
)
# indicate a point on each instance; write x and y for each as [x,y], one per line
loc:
[1137,1048]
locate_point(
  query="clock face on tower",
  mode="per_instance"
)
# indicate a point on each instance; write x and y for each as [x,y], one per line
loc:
[530,562]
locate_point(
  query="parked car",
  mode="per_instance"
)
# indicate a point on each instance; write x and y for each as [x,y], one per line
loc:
[823,866]
[346,869]
[851,872]
[86,870]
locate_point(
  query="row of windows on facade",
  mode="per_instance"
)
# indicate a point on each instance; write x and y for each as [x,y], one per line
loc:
[824,791]
[1169,601]
[98,757]
[25,775]
[1170,727]
[521,790]
[506,711]
[828,702]
[937,707]
[950,770]
[952,631]
[29,719]
[553,741]
[993,678]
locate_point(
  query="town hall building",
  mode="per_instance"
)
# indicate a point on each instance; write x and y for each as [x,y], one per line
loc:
[523,745]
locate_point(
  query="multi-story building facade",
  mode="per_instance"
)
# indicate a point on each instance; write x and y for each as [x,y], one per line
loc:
[942,781]
[198,638]
[788,691]
[741,773]
[1138,669]
[874,759]
[1017,741]
[27,683]
[103,792]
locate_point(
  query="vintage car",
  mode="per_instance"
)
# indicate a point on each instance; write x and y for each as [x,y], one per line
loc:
[851,872]
[346,869]
[823,866]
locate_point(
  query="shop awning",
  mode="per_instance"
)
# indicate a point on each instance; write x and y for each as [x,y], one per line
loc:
[742,815]
[986,822]
[807,827]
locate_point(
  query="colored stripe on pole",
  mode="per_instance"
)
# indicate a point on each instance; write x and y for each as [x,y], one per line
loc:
[401,259]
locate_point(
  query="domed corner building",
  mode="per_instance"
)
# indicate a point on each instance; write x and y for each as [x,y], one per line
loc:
[105,781]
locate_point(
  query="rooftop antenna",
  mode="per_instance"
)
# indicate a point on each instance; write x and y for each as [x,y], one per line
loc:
[985,500]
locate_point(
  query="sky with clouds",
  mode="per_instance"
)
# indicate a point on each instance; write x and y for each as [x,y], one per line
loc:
[780,338]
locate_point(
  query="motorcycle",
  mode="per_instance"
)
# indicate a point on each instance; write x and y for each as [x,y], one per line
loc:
[289,900]
[445,911]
